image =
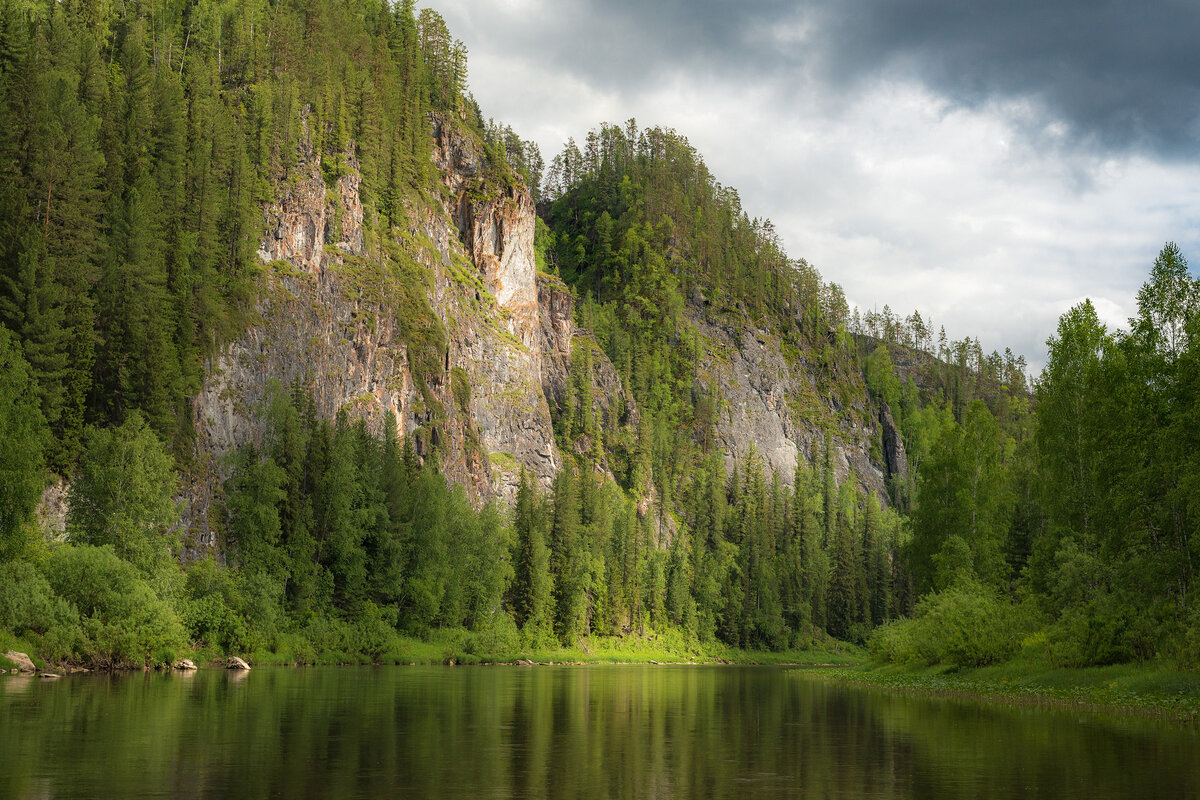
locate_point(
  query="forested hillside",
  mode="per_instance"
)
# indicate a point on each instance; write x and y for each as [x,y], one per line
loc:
[277,310]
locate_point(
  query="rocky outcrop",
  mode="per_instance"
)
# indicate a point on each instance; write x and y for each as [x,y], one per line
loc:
[52,509]
[336,317]
[561,342]
[21,661]
[492,312]
[185,665]
[233,662]
[894,457]
[761,400]
[448,329]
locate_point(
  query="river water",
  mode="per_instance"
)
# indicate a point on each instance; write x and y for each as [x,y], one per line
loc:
[561,732]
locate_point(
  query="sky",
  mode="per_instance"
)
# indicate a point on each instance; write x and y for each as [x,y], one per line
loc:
[990,164]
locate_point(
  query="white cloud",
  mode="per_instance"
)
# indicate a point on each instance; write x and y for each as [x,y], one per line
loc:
[983,218]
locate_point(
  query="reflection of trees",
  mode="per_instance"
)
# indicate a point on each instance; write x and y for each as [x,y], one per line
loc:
[559,732]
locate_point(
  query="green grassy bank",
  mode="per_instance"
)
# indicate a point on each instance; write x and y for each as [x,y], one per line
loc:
[1151,688]
[463,647]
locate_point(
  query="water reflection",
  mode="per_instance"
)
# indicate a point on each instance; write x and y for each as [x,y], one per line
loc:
[560,733]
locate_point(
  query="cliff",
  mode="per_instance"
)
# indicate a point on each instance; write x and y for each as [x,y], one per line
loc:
[449,328]
[441,327]
[770,397]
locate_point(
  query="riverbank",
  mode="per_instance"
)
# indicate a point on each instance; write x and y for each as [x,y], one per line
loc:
[461,647]
[1147,689]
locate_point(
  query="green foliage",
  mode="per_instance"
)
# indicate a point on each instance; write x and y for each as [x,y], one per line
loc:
[966,626]
[881,376]
[22,430]
[122,621]
[138,146]
[460,388]
[29,606]
[123,494]
[963,504]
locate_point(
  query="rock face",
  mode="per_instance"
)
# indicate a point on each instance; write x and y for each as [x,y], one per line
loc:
[236,663]
[761,400]
[316,330]
[498,349]
[561,343]
[333,321]
[894,457]
[493,323]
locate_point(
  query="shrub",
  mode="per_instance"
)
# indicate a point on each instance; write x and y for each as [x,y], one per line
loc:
[497,637]
[28,604]
[232,611]
[970,626]
[122,622]
[902,642]
[1097,633]
[966,626]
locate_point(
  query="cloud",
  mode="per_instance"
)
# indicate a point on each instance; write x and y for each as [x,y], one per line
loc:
[1112,75]
[987,163]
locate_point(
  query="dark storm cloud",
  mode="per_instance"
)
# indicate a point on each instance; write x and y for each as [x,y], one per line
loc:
[1113,75]
[1121,75]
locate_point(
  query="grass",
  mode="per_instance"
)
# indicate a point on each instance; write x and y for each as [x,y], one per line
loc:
[1155,689]
[459,646]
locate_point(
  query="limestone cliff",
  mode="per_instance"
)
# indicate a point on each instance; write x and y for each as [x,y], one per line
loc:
[768,397]
[340,316]
[447,326]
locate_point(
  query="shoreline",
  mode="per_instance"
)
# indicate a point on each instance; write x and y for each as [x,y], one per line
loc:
[450,651]
[1147,690]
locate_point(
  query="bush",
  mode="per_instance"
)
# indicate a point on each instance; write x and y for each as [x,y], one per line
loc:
[970,626]
[966,626]
[122,622]
[902,642]
[28,604]
[498,637]
[232,611]
[1097,633]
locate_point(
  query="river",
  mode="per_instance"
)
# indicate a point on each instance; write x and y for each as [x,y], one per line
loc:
[562,732]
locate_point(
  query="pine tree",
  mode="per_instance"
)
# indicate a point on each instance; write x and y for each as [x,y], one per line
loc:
[566,558]
[533,585]
[23,432]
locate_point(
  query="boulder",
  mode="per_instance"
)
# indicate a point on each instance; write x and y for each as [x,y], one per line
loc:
[236,663]
[188,664]
[22,661]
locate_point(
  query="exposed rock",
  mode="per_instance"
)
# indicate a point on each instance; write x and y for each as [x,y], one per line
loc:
[236,663]
[561,341]
[329,321]
[52,510]
[49,675]
[894,457]
[762,401]
[500,345]
[327,324]
[186,664]
[21,660]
